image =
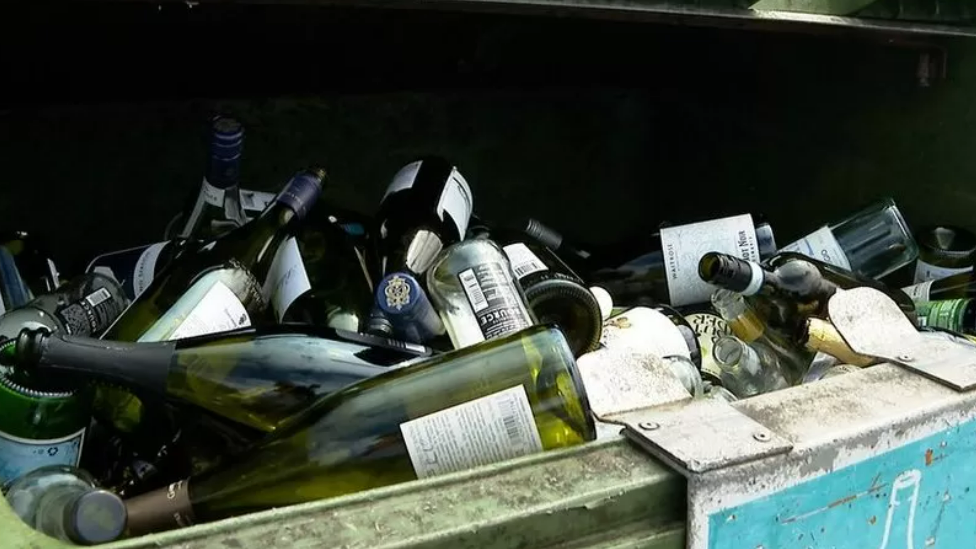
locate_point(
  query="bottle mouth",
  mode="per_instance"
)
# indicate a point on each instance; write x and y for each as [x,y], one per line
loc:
[727,351]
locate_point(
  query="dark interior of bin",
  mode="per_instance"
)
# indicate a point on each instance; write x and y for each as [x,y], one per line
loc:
[600,128]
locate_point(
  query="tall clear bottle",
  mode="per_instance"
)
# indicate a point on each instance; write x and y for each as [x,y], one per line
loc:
[476,293]
[217,207]
[523,392]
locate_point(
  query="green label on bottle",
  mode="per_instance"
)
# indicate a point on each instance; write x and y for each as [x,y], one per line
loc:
[21,455]
[946,314]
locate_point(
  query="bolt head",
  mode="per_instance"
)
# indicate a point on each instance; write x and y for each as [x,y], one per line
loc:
[905,358]
[761,436]
[648,425]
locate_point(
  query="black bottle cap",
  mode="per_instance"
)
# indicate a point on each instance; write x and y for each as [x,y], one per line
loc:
[98,516]
[730,272]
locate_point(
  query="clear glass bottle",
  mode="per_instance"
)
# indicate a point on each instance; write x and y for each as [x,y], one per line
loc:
[873,242]
[748,370]
[64,503]
[476,293]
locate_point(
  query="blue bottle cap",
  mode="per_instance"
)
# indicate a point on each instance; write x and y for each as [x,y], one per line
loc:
[398,294]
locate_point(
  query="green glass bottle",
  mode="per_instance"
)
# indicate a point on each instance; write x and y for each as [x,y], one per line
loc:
[258,378]
[223,284]
[43,423]
[522,391]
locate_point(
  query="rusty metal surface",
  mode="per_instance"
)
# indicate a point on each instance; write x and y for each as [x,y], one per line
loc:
[872,324]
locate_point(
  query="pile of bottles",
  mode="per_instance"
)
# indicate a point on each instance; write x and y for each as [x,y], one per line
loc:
[278,349]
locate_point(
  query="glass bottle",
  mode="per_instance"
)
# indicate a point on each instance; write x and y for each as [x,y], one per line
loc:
[64,503]
[405,304]
[748,370]
[523,391]
[475,291]
[944,251]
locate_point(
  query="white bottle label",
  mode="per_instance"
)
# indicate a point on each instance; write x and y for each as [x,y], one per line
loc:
[709,328]
[926,271]
[254,202]
[919,292]
[523,261]
[456,200]
[490,429]
[207,307]
[22,455]
[647,330]
[822,245]
[403,179]
[287,278]
[683,247]
[208,195]
[145,269]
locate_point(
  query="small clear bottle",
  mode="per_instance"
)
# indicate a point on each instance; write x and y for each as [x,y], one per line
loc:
[475,291]
[64,503]
[748,370]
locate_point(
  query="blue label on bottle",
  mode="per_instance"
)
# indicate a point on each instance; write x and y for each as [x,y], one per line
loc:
[408,308]
[300,193]
[22,455]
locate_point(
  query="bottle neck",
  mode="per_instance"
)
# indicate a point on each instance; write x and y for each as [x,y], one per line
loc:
[731,273]
[822,336]
[734,353]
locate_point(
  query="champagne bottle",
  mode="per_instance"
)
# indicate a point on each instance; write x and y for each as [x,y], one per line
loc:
[332,247]
[217,207]
[748,370]
[64,503]
[135,268]
[403,302]
[425,209]
[666,271]
[944,251]
[873,242]
[750,327]
[500,399]
[33,261]
[227,283]
[821,336]
[85,305]
[257,378]
[790,288]
[475,291]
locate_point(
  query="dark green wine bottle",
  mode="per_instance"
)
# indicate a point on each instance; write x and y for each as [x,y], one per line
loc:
[522,391]
[256,378]
[222,284]
[957,286]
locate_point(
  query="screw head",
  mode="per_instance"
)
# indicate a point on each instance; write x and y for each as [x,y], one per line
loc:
[905,358]
[648,425]
[761,436]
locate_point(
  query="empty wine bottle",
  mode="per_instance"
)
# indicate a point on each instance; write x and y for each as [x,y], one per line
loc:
[873,242]
[522,392]
[667,270]
[13,290]
[64,503]
[229,282]
[790,287]
[476,294]
[33,260]
[958,315]
[405,304]
[135,268]
[217,206]
[257,378]
[426,208]
[709,326]
[752,329]
[957,286]
[944,251]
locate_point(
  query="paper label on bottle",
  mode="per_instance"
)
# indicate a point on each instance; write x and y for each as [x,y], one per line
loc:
[456,200]
[948,314]
[287,278]
[145,269]
[207,307]
[22,455]
[54,274]
[496,304]
[254,202]
[208,194]
[490,429]
[403,179]
[926,271]
[919,292]
[646,330]
[822,245]
[523,261]
[683,247]
[709,328]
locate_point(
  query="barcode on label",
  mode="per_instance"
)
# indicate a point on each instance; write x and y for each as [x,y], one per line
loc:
[98,297]
[510,417]
[524,262]
[525,269]
[473,289]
